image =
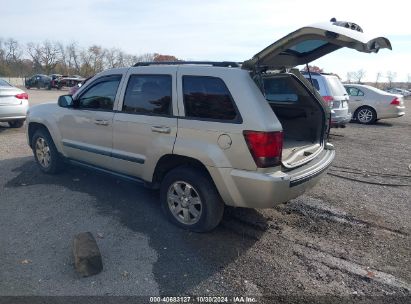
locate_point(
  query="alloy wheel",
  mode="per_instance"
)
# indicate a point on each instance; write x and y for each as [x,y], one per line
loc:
[42,150]
[184,202]
[365,115]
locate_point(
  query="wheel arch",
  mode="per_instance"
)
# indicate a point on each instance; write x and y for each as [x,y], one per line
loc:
[171,161]
[32,128]
[365,106]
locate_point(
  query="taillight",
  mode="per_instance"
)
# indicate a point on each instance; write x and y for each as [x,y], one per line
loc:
[329,100]
[22,96]
[396,101]
[265,147]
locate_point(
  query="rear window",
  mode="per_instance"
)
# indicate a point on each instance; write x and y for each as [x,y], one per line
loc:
[4,83]
[316,84]
[336,87]
[307,46]
[282,89]
[208,98]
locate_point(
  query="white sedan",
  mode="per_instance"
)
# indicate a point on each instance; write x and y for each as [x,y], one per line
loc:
[369,104]
[13,104]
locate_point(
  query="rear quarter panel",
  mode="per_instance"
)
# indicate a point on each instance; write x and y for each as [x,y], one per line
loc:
[200,138]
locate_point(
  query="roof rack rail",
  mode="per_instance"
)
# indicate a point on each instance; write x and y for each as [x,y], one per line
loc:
[226,64]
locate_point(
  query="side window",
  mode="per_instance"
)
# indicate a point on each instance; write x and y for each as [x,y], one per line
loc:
[101,95]
[316,84]
[350,91]
[208,98]
[148,94]
[354,92]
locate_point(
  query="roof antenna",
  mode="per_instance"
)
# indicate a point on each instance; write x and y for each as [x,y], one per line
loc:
[333,19]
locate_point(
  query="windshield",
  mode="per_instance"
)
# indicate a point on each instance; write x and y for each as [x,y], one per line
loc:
[336,87]
[4,83]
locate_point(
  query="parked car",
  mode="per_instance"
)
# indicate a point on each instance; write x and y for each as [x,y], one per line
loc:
[38,81]
[54,81]
[13,104]
[75,88]
[334,94]
[201,133]
[370,104]
[402,92]
[68,81]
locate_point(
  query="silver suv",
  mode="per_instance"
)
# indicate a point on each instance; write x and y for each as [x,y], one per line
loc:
[202,133]
[334,94]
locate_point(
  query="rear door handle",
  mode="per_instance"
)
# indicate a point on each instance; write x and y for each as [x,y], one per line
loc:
[161,129]
[101,122]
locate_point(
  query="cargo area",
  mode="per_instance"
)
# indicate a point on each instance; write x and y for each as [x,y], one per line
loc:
[300,114]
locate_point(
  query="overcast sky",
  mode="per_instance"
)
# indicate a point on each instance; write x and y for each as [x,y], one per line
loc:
[211,30]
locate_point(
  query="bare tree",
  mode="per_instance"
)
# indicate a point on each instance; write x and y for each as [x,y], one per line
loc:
[359,75]
[56,57]
[147,57]
[114,58]
[73,58]
[377,78]
[35,52]
[13,50]
[130,60]
[50,56]
[349,76]
[409,80]
[92,60]
[63,58]
[390,77]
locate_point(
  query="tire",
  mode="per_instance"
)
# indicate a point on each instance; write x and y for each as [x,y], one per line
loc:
[365,115]
[45,152]
[16,123]
[191,189]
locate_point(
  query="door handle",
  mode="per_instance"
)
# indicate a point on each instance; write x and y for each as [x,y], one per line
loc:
[161,129]
[101,122]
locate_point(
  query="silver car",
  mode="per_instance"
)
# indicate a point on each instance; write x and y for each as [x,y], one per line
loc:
[334,94]
[201,132]
[370,104]
[14,104]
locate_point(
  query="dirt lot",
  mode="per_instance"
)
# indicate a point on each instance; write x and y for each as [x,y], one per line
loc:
[347,237]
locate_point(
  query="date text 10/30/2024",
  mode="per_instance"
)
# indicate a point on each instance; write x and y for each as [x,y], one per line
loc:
[203,299]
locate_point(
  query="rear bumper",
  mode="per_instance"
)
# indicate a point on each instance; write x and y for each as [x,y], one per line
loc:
[253,189]
[393,112]
[13,112]
[340,119]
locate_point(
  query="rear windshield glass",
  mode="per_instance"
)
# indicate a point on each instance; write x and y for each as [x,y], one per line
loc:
[336,87]
[282,89]
[4,83]
[307,46]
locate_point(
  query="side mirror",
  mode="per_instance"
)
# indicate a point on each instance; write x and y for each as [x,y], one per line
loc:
[65,101]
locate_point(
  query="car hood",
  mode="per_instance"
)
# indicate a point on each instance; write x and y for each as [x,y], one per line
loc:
[314,41]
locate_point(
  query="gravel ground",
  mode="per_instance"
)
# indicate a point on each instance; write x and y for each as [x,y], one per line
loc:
[346,237]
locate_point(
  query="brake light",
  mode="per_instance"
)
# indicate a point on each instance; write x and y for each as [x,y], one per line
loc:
[265,147]
[329,100]
[22,96]
[396,101]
